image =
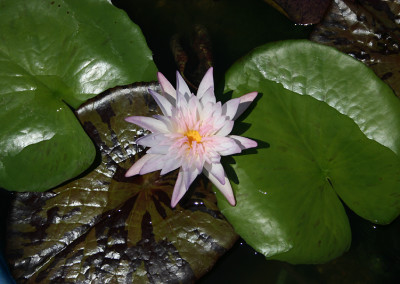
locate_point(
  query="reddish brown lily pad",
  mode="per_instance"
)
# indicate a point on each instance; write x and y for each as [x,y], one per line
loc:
[106,228]
[367,30]
[301,12]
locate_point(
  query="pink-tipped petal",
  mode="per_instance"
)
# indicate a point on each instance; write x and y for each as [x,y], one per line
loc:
[225,146]
[153,164]
[137,166]
[230,108]
[149,123]
[243,142]
[151,140]
[179,190]
[217,171]
[181,101]
[181,85]
[226,128]
[245,102]
[208,96]
[170,165]
[206,83]
[162,102]
[225,189]
[166,86]
[189,176]
[163,150]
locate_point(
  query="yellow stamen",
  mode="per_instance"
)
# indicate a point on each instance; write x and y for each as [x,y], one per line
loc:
[193,135]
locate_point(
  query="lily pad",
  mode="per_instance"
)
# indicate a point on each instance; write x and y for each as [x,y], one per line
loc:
[55,55]
[289,194]
[367,30]
[302,12]
[108,228]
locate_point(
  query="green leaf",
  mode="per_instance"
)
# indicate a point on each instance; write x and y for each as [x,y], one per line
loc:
[54,54]
[288,205]
[114,229]
[328,75]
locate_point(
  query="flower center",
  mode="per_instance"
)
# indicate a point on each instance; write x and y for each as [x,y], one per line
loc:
[193,135]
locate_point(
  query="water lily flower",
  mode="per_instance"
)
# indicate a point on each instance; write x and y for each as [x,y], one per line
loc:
[192,134]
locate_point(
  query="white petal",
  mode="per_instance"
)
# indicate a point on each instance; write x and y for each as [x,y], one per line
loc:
[166,86]
[162,102]
[137,166]
[151,140]
[181,101]
[206,112]
[243,142]
[230,151]
[245,101]
[181,85]
[217,171]
[230,108]
[206,83]
[226,128]
[190,172]
[217,109]
[155,163]
[226,188]
[165,119]
[179,190]
[225,146]
[158,150]
[170,165]
[208,96]
[149,123]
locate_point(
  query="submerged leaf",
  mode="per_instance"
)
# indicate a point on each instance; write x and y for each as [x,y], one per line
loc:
[55,55]
[303,11]
[110,228]
[287,194]
[367,30]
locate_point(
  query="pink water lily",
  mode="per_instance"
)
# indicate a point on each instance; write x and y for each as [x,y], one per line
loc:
[192,134]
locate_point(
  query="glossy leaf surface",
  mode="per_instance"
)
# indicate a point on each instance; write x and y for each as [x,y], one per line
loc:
[55,55]
[324,73]
[288,204]
[367,30]
[107,228]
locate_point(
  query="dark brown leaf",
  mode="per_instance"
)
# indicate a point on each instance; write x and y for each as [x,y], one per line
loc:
[107,228]
[200,48]
[301,12]
[368,31]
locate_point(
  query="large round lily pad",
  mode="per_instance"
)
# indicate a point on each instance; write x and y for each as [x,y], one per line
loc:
[55,55]
[106,228]
[289,194]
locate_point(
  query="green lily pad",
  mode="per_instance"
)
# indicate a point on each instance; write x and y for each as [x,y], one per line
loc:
[288,205]
[107,228]
[55,55]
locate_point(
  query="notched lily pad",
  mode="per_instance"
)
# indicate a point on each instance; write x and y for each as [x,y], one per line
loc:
[288,204]
[55,55]
[107,227]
